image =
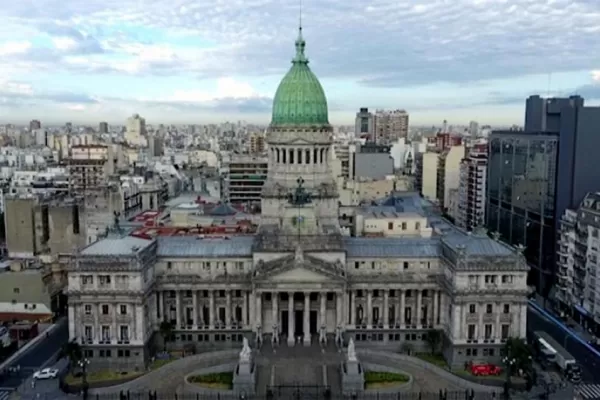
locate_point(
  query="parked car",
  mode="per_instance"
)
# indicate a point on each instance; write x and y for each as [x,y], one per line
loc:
[46,373]
[485,369]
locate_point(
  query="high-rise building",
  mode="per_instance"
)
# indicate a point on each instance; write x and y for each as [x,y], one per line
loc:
[34,124]
[103,127]
[521,188]
[243,177]
[448,174]
[552,171]
[578,269]
[473,128]
[390,126]
[472,188]
[257,143]
[364,126]
[135,129]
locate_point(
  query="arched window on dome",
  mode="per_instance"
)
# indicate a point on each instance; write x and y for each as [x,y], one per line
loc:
[299,156]
[277,154]
[308,156]
[316,156]
[291,156]
[322,155]
[283,157]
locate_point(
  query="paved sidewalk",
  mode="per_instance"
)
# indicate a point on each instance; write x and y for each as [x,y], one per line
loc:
[573,325]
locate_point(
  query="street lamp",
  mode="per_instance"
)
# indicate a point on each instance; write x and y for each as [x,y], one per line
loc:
[509,362]
[83,363]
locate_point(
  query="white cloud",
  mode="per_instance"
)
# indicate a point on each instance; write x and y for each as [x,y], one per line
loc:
[226,88]
[75,107]
[13,48]
[64,43]
[596,75]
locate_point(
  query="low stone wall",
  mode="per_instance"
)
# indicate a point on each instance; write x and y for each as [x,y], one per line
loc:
[191,387]
[498,383]
[76,388]
[417,362]
[401,387]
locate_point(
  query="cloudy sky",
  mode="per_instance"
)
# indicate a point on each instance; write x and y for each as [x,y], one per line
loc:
[199,61]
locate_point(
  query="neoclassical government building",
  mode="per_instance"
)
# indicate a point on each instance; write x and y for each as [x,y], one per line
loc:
[299,281]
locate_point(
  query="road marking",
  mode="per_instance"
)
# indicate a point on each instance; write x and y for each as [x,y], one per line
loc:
[4,395]
[590,392]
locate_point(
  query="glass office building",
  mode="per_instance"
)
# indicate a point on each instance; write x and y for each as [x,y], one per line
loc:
[521,190]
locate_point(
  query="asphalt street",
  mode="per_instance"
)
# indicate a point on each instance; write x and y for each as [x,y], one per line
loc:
[588,361]
[38,355]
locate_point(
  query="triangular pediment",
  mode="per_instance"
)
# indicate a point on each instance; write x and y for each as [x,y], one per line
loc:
[299,268]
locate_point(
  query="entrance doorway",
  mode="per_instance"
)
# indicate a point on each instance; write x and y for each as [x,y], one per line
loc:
[284,323]
[298,319]
[313,322]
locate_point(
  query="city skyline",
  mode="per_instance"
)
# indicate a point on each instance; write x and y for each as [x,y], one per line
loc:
[205,62]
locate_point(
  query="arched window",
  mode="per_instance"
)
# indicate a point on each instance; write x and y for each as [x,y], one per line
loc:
[291,156]
[283,156]
[307,157]
[316,156]
[299,156]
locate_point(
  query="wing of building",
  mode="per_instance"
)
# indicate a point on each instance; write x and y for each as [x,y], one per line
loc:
[298,280]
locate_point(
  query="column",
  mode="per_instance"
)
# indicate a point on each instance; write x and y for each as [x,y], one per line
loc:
[252,309]
[457,322]
[97,329]
[338,309]
[211,309]
[434,308]
[353,308]
[497,328]
[274,310]
[228,309]
[244,309]
[259,309]
[290,338]
[115,333]
[480,330]
[346,307]
[322,310]
[523,322]
[386,308]
[402,307]
[195,313]
[369,309]
[306,325]
[419,305]
[160,300]
[178,308]
[443,312]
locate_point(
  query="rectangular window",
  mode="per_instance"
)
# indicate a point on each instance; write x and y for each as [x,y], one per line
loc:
[489,308]
[390,226]
[104,279]
[472,308]
[105,333]
[88,332]
[487,331]
[105,309]
[505,331]
[471,331]
[506,309]
[87,309]
[123,309]
[124,333]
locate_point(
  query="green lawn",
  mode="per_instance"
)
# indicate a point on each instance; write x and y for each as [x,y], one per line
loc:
[102,376]
[380,380]
[219,380]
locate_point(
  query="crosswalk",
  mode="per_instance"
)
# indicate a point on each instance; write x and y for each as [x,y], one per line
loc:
[4,394]
[587,392]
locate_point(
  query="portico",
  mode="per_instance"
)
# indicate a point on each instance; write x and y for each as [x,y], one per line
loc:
[297,316]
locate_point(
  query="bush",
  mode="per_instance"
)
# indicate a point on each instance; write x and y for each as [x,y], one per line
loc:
[219,378]
[385,377]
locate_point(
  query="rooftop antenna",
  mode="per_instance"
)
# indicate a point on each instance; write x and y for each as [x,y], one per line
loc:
[300,16]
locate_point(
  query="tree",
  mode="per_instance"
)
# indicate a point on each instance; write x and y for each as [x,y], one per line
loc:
[520,352]
[72,351]
[166,331]
[433,337]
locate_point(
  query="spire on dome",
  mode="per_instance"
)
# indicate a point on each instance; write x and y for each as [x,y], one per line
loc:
[300,43]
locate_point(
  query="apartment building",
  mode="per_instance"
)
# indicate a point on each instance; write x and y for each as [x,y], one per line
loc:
[390,126]
[471,189]
[90,166]
[243,177]
[578,264]
[448,174]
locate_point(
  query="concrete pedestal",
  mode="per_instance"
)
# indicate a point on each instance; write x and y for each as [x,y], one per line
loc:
[244,379]
[353,378]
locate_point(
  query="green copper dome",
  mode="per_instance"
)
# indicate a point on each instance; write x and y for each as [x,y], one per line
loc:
[300,99]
